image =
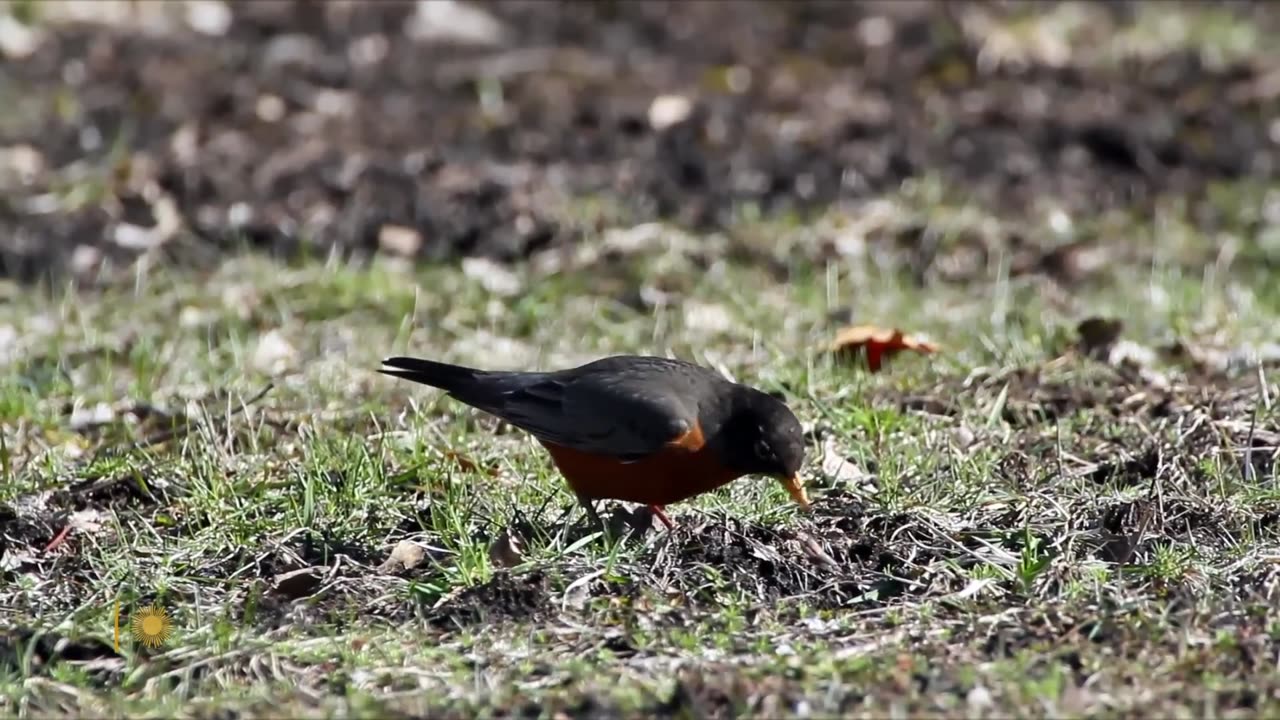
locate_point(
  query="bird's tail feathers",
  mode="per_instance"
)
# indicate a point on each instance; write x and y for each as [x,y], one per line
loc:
[479,388]
[429,372]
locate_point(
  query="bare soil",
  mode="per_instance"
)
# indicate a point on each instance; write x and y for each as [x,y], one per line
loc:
[311,127]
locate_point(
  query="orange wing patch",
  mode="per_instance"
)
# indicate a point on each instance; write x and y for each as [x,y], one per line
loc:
[877,343]
[692,440]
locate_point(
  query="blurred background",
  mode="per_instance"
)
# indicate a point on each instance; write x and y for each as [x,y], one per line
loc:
[180,131]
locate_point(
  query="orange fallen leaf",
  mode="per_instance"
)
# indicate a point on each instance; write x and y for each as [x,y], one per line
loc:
[877,343]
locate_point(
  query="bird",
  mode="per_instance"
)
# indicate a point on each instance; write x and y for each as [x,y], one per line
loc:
[636,428]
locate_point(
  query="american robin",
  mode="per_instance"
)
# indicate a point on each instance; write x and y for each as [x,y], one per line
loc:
[647,430]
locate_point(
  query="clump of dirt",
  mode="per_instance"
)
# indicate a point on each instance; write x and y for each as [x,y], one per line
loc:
[505,596]
[303,127]
[836,557]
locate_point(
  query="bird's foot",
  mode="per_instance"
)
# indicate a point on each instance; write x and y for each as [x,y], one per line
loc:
[657,510]
[592,516]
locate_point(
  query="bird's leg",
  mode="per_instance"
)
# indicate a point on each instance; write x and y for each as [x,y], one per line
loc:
[591,511]
[657,510]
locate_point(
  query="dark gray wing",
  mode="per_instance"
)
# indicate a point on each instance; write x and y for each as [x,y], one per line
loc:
[621,409]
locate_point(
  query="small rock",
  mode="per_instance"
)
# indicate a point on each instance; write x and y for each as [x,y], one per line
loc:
[668,110]
[1127,352]
[979,698]
[1060,222]
[87,417]
[876,31]
[707,318]
[8,342]
[406,555]
[87,520]
[241,299]
[274,354]
[293,49]
[185,144]
[963,437]
[23,162]
[270,108]
[18,41]
[208,17]
[399,240]
[836,466]
[85,259]
[191,316]
[454,21]
[493,277]
[738,79]
[368,50]
[136,237]
[635,239]
[334,103]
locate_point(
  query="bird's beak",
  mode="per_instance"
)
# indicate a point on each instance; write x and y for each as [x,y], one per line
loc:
[796,490]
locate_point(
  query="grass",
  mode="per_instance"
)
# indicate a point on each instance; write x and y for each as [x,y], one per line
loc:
[1009,527]
[1020,530]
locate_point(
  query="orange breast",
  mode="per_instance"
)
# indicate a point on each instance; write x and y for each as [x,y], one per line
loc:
[683,468]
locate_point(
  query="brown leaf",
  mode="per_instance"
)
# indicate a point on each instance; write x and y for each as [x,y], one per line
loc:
[876,343]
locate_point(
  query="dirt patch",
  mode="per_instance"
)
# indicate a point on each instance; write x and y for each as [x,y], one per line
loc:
[505,597]
[834,558]
[838,558]
[302,128]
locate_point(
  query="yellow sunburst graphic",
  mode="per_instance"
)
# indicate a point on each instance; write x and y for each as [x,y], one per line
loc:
[150,626]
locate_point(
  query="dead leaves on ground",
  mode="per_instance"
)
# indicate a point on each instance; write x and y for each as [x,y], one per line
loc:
[876,344]
[1099,338]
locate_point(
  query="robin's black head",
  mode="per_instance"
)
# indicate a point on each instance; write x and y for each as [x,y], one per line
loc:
[763,437]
